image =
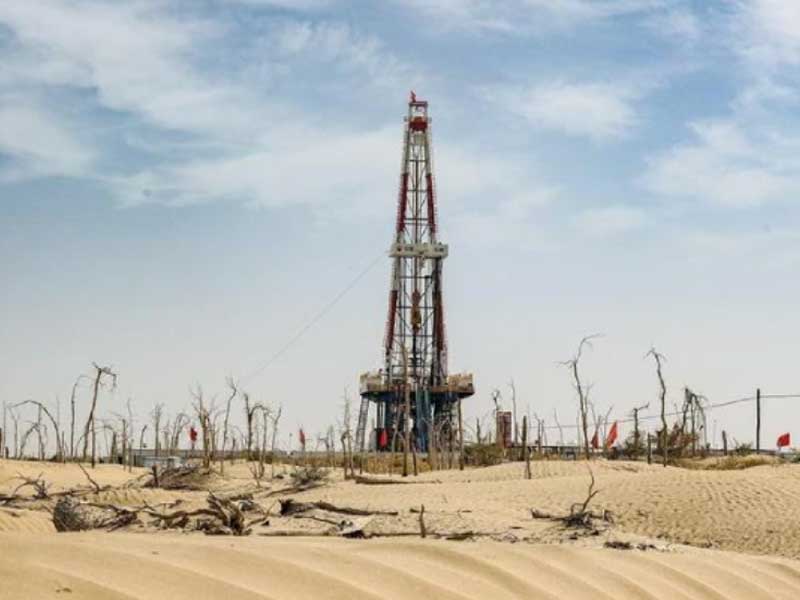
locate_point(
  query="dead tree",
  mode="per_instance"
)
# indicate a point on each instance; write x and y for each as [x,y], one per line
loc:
[178,425]
[346,437]
[583,391]
[526,455]
[560,429]
[15,418]
[156,415]
[497,397]
[34,427]
[275,420]
[100,372]
[141,435]
[262,455]
[659,358]
[234,391]
[514,409]
[636,434]
[540,432]
[203,413]
[72,414]
[692,408]
[43,409]
[249,413]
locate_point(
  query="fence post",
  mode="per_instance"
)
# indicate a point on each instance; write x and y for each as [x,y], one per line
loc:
[649,449]
[758,421]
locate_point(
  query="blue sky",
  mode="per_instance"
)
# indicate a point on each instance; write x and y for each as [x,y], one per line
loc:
[184,185]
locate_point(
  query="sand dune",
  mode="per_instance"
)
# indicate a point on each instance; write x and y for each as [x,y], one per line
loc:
[100,565]
[753,511]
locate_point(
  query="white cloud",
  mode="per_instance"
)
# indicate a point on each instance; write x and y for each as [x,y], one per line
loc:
[767,32]
[323,170]
[597,110]
[523,16]
[307,167]
[38,143]
[681,24]
[746,158]
[133,56]
[609,220]
[139,60]
[774,249]
[301,5]
[723,165]
[338,44]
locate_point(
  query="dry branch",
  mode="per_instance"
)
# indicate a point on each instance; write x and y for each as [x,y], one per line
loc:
[291,507]
[92,481]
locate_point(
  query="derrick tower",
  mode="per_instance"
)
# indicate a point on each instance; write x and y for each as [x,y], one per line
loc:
[415,347]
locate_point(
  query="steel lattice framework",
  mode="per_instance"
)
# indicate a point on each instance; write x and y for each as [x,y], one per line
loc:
[415,347]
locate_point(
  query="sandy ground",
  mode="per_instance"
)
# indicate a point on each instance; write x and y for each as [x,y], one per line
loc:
[745,513]
[105,566]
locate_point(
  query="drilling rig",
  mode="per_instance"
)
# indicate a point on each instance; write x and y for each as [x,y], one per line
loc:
[413,391]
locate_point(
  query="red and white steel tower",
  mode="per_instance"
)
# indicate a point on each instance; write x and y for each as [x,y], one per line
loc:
[415,346]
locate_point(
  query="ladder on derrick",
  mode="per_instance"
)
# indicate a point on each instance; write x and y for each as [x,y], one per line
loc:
[361,429]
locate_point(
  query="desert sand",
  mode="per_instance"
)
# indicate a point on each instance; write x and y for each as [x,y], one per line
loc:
[707,534]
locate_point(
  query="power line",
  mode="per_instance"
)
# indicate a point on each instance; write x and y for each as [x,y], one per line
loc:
[314,320]
[680,412]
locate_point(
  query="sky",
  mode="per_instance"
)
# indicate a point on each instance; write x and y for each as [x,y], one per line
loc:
[187,186]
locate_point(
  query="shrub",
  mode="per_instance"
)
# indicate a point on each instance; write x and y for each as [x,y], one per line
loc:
[483,455]
[309,475]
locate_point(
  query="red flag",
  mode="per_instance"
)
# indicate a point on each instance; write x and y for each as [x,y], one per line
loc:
[192,434]
[383,440]
[595,441]
[302,437]
[784,440]
[612,436]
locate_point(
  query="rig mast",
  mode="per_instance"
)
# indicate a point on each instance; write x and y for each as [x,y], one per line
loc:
[415,345]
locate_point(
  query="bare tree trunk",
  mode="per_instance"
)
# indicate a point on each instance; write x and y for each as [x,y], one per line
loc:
[90,422]
[262,458]
[724,443]
[72,415]
[526,455]
[583,392]
[15,418]
[663,396]
[124,444]
[248,413]
[42,409]
[232,385]
[156,415]
[275,437]
[514,409]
